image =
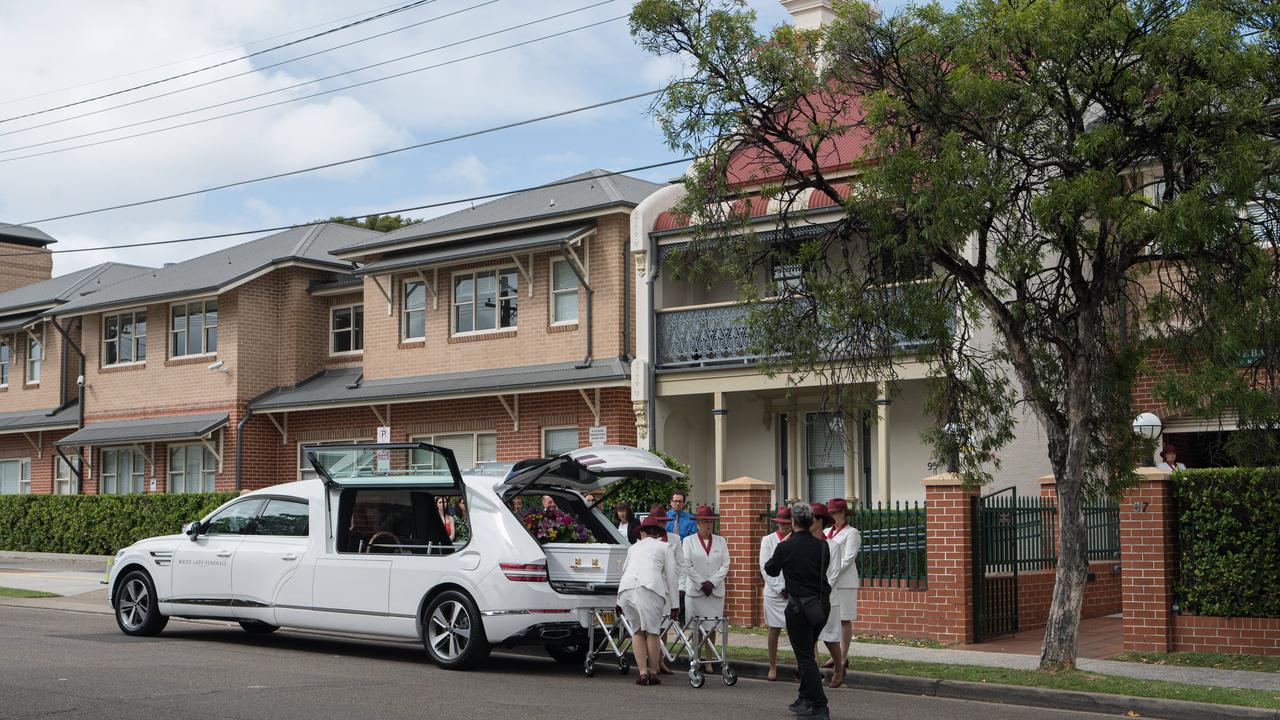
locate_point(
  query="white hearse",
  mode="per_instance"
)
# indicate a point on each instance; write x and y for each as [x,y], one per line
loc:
[393,540]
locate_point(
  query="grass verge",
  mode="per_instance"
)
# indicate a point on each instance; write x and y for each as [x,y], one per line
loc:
[1081,681]
[20,593]
[1221,661]
[874,639]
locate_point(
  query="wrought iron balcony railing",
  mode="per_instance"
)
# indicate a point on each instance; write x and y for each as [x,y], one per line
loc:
[710,335]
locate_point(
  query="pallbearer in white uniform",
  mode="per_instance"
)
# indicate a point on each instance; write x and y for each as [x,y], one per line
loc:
[648,592]
[830,635]
[775,594]
[706,565]
[847,580]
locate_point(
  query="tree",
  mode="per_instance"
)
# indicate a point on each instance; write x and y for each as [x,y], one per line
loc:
[381,223]
[1046,194]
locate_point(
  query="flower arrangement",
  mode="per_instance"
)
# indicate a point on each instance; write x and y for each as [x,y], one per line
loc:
[555,526]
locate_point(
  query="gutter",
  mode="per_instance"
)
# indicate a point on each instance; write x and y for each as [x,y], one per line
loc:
[564,250]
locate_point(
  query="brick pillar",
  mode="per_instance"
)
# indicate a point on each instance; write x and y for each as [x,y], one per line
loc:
[741,502]
[949,529]
[1148,562]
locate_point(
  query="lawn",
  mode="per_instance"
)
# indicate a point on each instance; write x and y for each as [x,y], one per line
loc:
[874,639]
[1082,681]
[1221,661]
[20,593]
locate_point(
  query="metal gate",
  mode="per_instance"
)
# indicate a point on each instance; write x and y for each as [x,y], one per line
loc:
[995,564]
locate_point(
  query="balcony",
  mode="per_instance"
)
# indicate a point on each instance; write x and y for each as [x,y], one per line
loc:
[703,335]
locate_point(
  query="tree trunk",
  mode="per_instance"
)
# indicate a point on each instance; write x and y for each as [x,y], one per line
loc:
[1061,632]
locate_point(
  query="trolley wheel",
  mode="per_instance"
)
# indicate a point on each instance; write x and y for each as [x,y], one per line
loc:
[624,666]
[696,678]
[730,676]
[589,667]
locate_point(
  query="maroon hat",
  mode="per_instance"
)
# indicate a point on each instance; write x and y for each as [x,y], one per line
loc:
[783,515]
[1168,448]
[658,515]
[838,505]
[705,513]
[820,511]
[655,521]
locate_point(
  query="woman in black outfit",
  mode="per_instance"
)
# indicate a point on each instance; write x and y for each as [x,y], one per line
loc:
[625,520]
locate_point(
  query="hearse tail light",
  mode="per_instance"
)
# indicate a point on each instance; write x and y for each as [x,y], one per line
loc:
[532,572]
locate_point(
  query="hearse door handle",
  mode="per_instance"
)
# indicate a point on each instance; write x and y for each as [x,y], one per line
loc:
[224,553]
[289,556]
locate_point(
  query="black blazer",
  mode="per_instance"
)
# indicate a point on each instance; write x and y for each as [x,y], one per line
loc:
[633,529]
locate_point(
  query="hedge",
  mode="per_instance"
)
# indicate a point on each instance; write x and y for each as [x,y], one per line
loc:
[1229,527]
[644,495]
[96,524]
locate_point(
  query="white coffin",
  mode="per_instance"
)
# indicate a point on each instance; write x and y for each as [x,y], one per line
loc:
[585,564]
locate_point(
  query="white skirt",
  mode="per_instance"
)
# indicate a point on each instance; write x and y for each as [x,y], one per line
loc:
[705,606]
[643,608]
[831,631]
[848,599]
[775,610]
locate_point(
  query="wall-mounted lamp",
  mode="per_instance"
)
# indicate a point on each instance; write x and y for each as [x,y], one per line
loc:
[1148,425]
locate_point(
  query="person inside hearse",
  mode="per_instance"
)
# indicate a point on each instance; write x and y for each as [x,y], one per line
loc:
[647,593]
[549,503]
[442,508]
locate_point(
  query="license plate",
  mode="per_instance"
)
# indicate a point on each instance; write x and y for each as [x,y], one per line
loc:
[608,618]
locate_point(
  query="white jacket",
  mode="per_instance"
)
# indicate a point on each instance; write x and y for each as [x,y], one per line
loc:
[833,570]
[850,542]
[700,566]
[772,585]
[651,564]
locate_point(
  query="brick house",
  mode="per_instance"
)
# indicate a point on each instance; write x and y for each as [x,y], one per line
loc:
[502,331]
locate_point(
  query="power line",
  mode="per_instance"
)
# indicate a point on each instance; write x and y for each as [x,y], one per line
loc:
[250,71]
[371,18]
[196,57]
[309,82]
[336,163]
[429,206]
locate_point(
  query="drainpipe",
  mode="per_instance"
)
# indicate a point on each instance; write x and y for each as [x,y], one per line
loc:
[586,361]
[248,413]
[76,468]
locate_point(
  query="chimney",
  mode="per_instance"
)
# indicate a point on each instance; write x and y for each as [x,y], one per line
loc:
[809,14]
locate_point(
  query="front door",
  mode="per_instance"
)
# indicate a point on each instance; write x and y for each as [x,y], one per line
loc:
[202,567]
[263,574]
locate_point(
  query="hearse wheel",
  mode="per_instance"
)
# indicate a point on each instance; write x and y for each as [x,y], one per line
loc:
[257,627]
[452,632]
[137,612]
[568,654]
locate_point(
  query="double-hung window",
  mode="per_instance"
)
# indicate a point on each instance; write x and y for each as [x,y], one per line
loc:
[4,363]
[122,471]
[564,293]
[193,328]
[124,338]
[346,329]
[413,311]
[191,469]
[559,440]
[15,477]
[64,476]
[35,358]
[485,300]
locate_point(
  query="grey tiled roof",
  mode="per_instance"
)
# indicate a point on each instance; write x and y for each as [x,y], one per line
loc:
[66,287]
[212,272]
[48,418]
[335,387]
[592,192]
[473,249]
[24,235]
[171,427]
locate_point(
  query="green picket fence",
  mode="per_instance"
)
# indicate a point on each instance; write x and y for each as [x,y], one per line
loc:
[1031,538]
[894,547]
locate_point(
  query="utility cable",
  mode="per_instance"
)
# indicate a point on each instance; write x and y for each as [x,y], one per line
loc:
[337,163]
[371,18]
[196,57]
[308,82]
[250,71]
[398,211]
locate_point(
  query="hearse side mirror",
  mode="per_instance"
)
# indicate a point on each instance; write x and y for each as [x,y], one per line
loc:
[192,529]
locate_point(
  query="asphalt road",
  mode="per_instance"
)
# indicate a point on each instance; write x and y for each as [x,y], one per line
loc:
[64,664]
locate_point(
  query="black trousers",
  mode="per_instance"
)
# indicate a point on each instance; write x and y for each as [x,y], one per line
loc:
[803,637]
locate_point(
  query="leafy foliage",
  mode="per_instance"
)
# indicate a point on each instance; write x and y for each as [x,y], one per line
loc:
[1230,541]
[96,524]
[644,494]
[380,223]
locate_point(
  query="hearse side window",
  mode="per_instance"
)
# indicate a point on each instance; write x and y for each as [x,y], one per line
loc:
[382,521]
[234,519]
[281,517]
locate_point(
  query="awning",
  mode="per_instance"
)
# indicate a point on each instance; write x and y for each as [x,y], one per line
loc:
[37,420]
[344,387]
[470,250]
[160,429]
[18,322]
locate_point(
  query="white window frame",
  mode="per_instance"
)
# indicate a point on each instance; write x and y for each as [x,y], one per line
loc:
[406,311]
[114,477]
[497,271]
[6,360]
[208,467]
[204,329]
[63,474]
[552,428]
[338,441]
[133,322]
[475,442]
[351,330]
[34,365]
[575,290]
[24,473]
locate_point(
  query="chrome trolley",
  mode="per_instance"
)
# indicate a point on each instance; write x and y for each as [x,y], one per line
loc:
[609,633]
[695,638]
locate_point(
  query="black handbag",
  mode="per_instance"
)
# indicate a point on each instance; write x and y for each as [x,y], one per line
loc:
[814,610]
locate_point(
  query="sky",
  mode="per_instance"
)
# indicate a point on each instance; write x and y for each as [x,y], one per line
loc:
[57,52]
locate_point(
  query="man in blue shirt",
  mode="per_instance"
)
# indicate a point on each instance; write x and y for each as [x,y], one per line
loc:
[682,523]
